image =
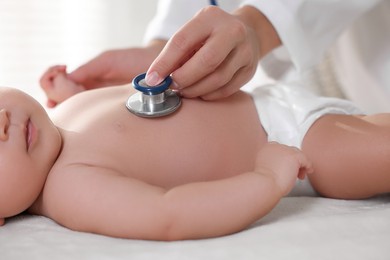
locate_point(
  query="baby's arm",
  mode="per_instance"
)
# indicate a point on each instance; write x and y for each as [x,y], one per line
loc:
[110,68]
[57,86]
[102,202]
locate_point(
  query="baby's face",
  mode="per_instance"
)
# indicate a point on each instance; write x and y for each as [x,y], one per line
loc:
[29,145]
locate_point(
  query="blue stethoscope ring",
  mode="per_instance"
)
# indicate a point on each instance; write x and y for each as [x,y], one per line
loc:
[153,101]
[140,85]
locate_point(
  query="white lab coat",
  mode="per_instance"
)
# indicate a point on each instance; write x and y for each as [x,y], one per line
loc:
[334,47]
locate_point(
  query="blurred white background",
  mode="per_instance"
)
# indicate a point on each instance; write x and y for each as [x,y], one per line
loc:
[36,34]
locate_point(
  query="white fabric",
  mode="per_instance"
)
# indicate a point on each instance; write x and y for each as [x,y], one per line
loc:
[300,228]
[306,27]
[339,48]
[310,29]
[172,14]
[287,111]
[361,60]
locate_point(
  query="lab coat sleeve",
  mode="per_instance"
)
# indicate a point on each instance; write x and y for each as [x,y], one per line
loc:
[170,16]
[307,28]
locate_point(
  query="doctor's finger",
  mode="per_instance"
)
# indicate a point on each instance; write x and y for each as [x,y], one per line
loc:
[224,74]
[238,80]
[207,90]
[236,70]
[205,61]
[177,50]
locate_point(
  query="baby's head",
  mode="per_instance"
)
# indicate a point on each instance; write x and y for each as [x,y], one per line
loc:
[29,145]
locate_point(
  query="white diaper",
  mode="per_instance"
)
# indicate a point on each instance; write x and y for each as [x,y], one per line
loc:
[287,112]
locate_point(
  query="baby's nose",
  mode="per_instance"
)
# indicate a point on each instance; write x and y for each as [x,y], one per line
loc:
[4,124]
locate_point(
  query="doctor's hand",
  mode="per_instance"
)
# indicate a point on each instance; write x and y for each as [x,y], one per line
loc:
[116,67]
[215,53]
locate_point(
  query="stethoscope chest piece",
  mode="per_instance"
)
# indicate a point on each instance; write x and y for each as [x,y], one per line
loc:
[153,101]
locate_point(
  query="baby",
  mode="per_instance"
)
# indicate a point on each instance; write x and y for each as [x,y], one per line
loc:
[207,170]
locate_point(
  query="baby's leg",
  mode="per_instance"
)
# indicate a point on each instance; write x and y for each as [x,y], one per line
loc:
[350,155]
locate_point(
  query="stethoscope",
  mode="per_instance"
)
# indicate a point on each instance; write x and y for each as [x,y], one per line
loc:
[154,101]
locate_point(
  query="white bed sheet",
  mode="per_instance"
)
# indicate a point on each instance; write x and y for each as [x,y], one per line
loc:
[298,228]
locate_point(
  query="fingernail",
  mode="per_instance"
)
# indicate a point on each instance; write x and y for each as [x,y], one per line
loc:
[152,79]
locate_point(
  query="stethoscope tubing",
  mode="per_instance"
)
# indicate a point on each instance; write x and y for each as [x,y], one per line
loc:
[213,2]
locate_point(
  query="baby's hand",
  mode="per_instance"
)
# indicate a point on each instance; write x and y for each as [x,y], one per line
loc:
[57,86]
[284,163]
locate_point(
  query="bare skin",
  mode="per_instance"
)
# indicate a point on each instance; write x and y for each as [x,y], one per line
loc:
[126,162]
[164,179]
[350,155]
[205,171]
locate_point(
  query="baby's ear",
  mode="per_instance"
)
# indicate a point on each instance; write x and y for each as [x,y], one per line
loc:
[1,221]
